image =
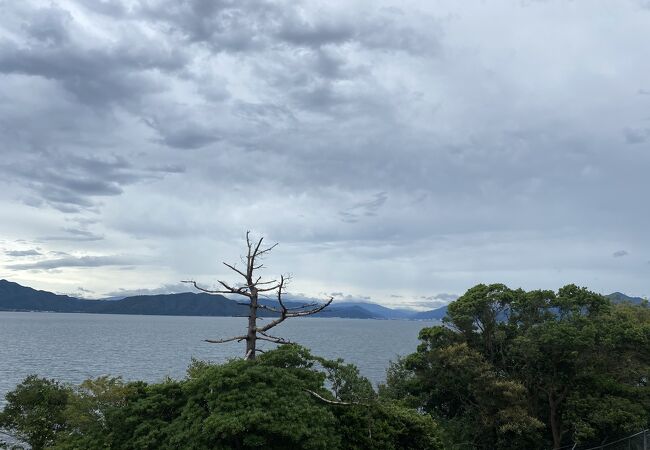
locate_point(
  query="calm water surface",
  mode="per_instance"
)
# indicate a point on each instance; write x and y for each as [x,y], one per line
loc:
[74,347]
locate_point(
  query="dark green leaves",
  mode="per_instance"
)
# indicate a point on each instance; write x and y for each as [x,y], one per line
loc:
[286,398]
[516,369]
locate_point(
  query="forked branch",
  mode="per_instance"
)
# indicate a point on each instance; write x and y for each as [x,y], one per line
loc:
[300,311]
[332,402]
[223,341]
[252,288]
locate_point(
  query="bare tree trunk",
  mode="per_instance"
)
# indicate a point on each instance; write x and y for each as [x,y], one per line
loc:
[251,336]
[250,289]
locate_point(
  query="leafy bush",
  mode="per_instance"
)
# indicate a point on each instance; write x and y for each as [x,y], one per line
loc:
[280,400]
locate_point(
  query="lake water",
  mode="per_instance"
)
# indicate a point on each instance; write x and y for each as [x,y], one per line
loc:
[74,347]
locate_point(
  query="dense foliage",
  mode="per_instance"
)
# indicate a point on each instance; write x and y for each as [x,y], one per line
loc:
[508,369]
[514,369]
[287,398]
[35,411]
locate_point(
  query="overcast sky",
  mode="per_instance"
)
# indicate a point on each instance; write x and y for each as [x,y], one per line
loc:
[402,151]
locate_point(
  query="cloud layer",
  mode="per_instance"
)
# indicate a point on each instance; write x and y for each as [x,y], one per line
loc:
[402,151]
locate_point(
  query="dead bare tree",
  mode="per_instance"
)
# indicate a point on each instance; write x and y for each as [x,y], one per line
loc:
[252,287]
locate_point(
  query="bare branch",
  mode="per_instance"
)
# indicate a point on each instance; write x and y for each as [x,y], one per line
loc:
[249,270]
[284,341]
[222,341]
[280,288]
[275,323]
[268,308]
[283,313]
[272,288]
[205,290]
[230,288]
[264,338]
[235,269]
[333,402]
[275,340]
[306,305]
[257,247]
[266,250]
[240,290]
[311,311]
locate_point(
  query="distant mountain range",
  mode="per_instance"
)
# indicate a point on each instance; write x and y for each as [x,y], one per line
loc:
[617,297]
[14,297]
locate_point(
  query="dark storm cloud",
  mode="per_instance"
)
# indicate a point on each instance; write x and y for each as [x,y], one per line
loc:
[53,46]
[181,133]
[48,25]
[72,261]
[70,183]
[302,33]
[386,133]
[245,26]
[59,152]
[300,56]
[224,25]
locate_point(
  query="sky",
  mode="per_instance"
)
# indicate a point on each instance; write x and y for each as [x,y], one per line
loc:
[397,151]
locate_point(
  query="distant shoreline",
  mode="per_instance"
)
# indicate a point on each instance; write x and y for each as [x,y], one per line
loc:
[210,316]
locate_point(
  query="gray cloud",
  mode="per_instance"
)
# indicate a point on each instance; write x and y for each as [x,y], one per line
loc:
[81,292]
[165,289]
[391,147]
[71,183]
[49,26]
[636,136]
[620,253]
[245,26]
[443,297]
[55,47]
[21,253]
[178,133]
[345,297]
[367,208]
[430,301]
[73,234]
[72,261]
